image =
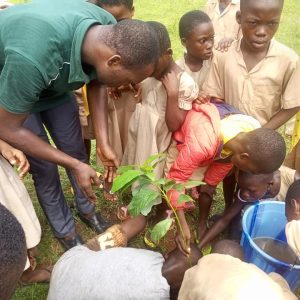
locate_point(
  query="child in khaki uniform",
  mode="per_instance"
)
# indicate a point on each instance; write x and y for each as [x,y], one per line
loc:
[163,106]
[222,14]
[253,75]
[194,26]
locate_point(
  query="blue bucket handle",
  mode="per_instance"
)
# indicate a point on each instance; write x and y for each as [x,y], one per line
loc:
[253,219]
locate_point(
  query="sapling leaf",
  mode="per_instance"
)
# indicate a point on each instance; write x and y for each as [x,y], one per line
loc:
[141,183]
[179,187]
[125,178]
[169,185]
[147,209]
[160,181]
[184,198]
[192,183]
[144,198]
[151,176]
[160,230]
[123,169]
[153,160]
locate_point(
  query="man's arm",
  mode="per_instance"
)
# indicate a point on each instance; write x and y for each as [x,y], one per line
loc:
[97,99]
[281,118]
[11,131]
[222,223]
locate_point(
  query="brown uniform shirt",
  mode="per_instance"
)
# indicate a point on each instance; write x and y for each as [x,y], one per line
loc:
[261,92]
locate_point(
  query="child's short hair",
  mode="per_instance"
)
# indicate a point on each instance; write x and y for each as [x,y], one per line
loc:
[244,3]
[162,34]
[135,41]
[190,20]
[266,149]
[228,247]
[127,3]
[12,252]
[293,192]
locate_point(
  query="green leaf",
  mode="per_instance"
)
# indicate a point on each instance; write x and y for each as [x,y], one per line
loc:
[153,160]
[179,187]
[144,198]
[151,176]
[125,178]
[185,198]
[142,182]
[160,230]
[124,169]
[160,181]
[192,183]
[169,185]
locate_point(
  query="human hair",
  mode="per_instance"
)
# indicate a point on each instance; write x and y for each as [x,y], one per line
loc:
[12,253]
[175,266]
[245,3]
[228,247]
[255,177]
[190,20]
[266,149]
[162,34]
[293,192]
[127,3]
[135,41]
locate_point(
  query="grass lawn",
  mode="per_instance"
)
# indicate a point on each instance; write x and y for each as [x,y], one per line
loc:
[167,12]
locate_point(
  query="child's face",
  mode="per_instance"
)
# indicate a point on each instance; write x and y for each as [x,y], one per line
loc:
[242,162]
[259,20]
[292,210]
[120,12]
[162,65]
[200,42]
[256,187]
[114,74]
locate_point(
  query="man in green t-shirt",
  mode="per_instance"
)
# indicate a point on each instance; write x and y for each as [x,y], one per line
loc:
[55,47]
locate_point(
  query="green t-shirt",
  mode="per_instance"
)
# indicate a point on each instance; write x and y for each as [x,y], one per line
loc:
[40,52]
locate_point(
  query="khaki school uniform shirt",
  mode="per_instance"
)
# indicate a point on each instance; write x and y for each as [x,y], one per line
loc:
[261,92]
[200,76]
[225,24]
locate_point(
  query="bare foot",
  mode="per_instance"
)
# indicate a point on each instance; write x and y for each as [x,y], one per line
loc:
[37,276]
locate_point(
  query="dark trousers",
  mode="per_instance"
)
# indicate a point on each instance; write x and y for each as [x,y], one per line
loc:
[63,125]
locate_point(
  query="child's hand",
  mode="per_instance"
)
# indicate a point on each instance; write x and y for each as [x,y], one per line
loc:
[16,158]
[109,160]
[171,83]
[202,98]
[183,242]
[224,44]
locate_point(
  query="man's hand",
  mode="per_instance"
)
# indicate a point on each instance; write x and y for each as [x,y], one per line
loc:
[183,241]
[86,176]
[224,44]
[110,161]
[16,158]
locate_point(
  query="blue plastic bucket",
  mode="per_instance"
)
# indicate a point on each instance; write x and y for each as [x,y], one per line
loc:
[267,219]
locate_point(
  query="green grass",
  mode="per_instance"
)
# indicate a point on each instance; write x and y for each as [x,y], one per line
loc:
[169,13]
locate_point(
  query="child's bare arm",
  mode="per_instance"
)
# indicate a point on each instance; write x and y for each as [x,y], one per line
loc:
[183,241]
[97,99]
[174,115]
[221,224]
[281,118]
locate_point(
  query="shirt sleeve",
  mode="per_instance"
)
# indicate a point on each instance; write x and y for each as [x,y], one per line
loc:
[214,83]
[217,172]
[291,96]
[20,84]
[188,91]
